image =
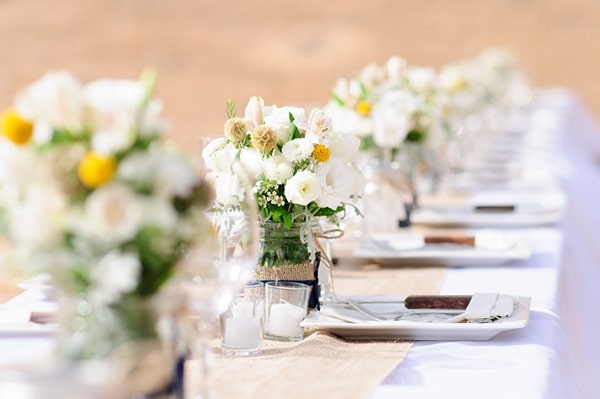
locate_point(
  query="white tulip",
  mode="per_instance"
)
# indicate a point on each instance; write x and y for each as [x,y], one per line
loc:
[254,111]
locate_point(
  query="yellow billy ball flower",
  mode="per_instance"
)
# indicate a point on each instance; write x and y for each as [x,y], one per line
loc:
[321,153]
[96,170]
[15,128]
[363,108]
[263,138]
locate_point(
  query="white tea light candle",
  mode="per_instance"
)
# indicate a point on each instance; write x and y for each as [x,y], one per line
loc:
[284,320]
[242,333]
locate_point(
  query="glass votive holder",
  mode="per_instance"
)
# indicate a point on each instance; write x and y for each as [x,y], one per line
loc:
[286,305]
[242,322]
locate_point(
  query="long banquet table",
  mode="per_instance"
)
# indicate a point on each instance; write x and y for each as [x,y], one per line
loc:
[557,354]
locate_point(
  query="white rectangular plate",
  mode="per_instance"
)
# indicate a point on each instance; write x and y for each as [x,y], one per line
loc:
[441,255]
[437,218]
[419,331]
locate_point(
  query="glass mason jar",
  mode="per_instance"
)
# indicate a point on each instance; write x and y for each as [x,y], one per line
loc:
[289,254]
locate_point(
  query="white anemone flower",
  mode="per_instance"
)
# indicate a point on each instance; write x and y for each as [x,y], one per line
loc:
[116,273]
[303,188]
[297,150]
[338,181]
[279,169]
[113,214]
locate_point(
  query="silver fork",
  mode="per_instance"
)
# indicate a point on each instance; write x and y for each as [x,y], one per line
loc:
[395,316]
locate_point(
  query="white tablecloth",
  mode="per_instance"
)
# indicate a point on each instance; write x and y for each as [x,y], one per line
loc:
[558,354]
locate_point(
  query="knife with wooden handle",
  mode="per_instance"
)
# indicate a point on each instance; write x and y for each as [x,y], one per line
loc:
[437,301]
[460,240]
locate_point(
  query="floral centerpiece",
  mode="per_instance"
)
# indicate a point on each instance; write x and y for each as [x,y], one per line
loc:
[300,169]
[90,195]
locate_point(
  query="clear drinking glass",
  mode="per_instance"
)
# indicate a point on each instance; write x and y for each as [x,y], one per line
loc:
[286,304]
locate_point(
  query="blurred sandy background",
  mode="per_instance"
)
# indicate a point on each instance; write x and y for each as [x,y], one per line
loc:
[286,51]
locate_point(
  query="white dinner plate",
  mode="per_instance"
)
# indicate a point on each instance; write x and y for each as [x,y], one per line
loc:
[530,209]
[420,331]
[402,250]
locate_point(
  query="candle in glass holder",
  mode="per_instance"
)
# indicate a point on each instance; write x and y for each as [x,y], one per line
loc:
[284,320]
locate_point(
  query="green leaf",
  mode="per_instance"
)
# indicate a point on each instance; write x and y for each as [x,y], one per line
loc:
[230,110]
[415,136]
[338,99]
[294,133]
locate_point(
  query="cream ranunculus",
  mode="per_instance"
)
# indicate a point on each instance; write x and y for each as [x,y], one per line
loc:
[113,214]
[279,169]
[338,182]
[297,150]
[303,188]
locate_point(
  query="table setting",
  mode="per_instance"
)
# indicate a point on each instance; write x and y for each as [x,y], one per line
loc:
[406,238]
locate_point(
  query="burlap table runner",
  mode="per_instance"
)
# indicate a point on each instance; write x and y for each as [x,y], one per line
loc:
[323,365]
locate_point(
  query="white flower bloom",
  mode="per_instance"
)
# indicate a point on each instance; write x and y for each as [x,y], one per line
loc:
[113,214]
[219,155]
[252,161]
[338,181]
[137,167]
[390,124]
[343,145]
[55,99]
[319,123]
[115,274]
[229,189]
[395,68]
[254,111]
[279,169]
[175,177]
[113,109]
[346,120]
[278,118]
[297,150]
[302,188]
[158,212]
[37,221]
[421,79]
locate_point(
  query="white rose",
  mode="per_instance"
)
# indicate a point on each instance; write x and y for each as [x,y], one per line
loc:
[113,213]
[55,99]
[302,188]
[338,182]
[115,274]
[297,150]
[279,169]
[254,111]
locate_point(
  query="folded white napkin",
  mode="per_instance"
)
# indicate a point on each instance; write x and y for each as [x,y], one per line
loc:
[486,307]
